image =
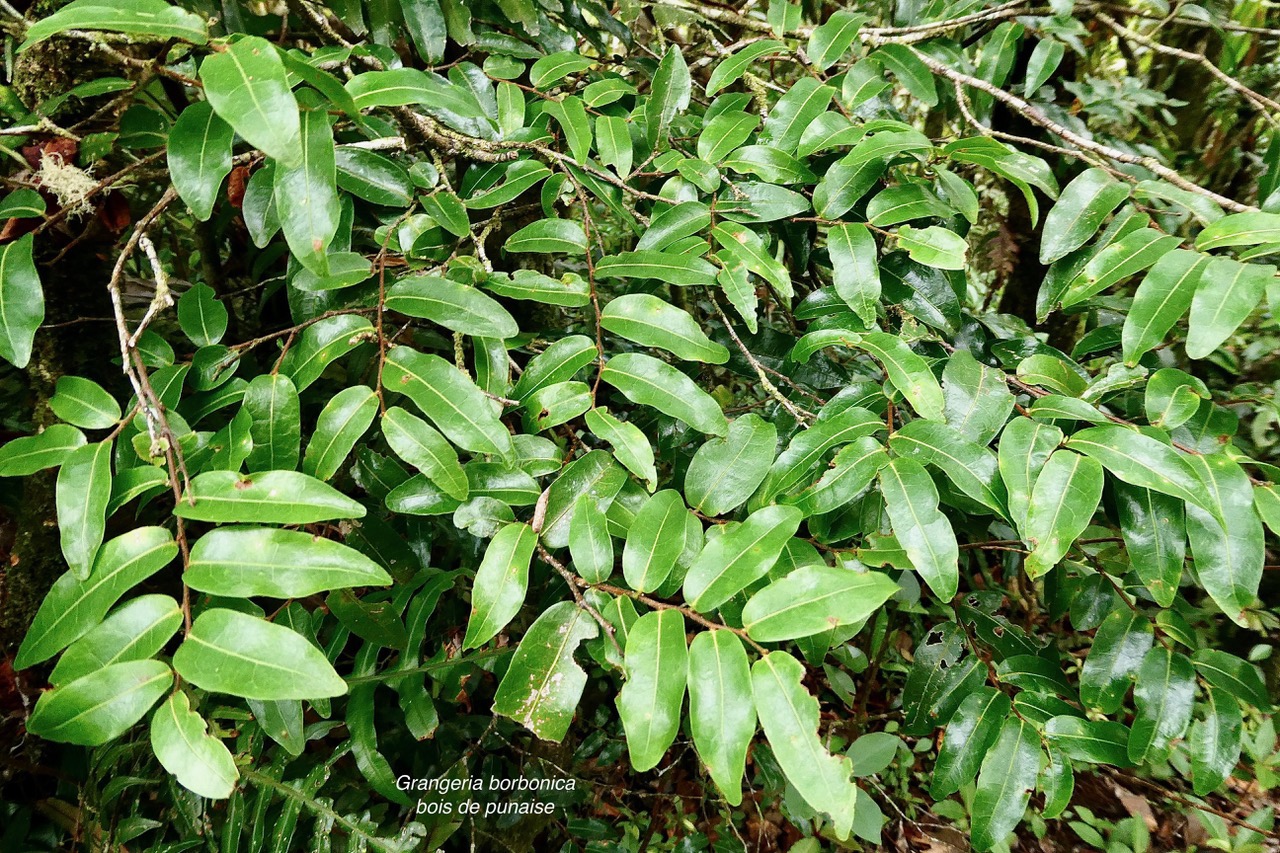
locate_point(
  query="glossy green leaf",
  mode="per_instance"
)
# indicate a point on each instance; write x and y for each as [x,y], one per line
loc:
[549,236]
[789,716]
[341,423]
[452,401]
[912,502]
[267,497]
[1227,539]
[973,729]
[1121,642]
[934,246]
[29,454]
[1140,460]
[1063,501]
[84,403]
[73,606]
[1240,229]
[1163,696]
[722,715]
[669,94]
[854,269]
[417,443]
[973,469]
[737,558]
[731,68]
[232,652]
[1091,741]
[82,492]
[1240,678]
[653,322]
[143,19]
[646,381]
[202,316]
[725,471]
[543,685]
[1227,293]
[908,372]
[657,664]
[813,599]
[455,306]
[101,706]
[184,747]
[829,42]
[590,545]
[1080,211]
[655,541]
[1005,782]
[136,630]
[630,446]
[1154,529]
[681,270]
[1165,294]
[501,583]
[21,301]
[247,88]
[1215,742]
[262,561]
[551,69]
[272,403]
[320,344]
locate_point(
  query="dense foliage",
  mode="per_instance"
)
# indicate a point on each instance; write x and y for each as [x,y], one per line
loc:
[440,390]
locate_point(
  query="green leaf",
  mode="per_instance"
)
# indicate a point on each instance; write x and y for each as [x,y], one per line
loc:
[380,180]
[668,94]
[267,497]
[320,344]
[21,301]
[630,446]
[543,685]
[1005,781]
[657,664]
[844,184]
[934,246]
[455,306]
[101,706]
[551,69]
[73,606]
[521,176]
[911,72]
[136,630]
[1063,501]
[829,42]
[746,247]
[1154,529]
[613,141]
[1128,256]
[149,20]
[451,400]
[272,402]
[84,403]
[594,474]
[1083,205]
[1119,645]
[247,88]
[1044,61]
[969,736]
[184,747]
[646,381]
[1164,295]
[789,716]
[1240,229]
[590,545]
[971,467]
[570,290]
[806,448]
[653,322]
[730,69]
[1163,696]
[558,363]
[924,533]
[852,470]
[655,541]
[549,236]
[22,203]
[425,22]
[854,269]
[734,560]
[1140,460]
[1229,554]
[307,194]
[1215,742]
[681,270]
[1226,295]
[448,211]
[262,561]
[1237,677]
[807,99]
[908,372]
[725,471]
[416,442]
[341,423]
[722,714]
[813,599]
[1092,741]
[203,318]
[82,493]
[232,652]
[976,397]
[199,154]
[29,454]
[501,583]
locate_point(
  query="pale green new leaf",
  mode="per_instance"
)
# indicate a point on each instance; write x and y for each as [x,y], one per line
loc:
[653,322]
